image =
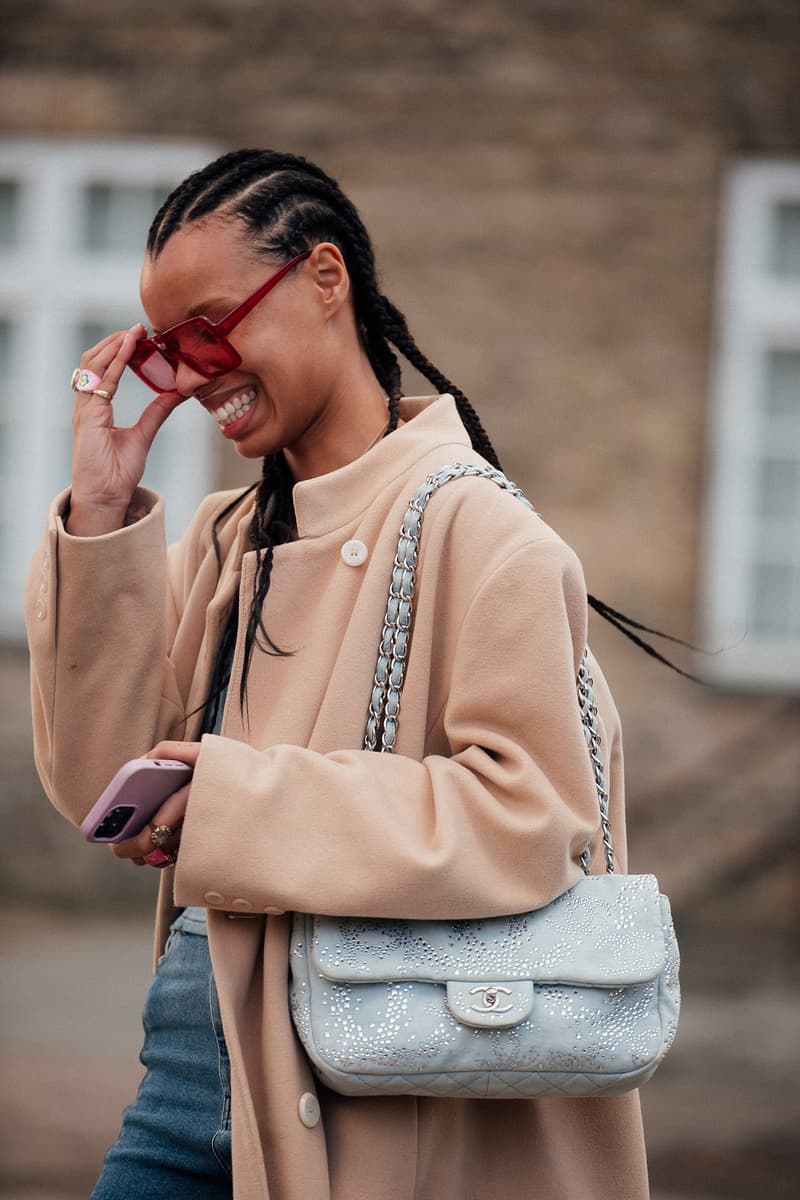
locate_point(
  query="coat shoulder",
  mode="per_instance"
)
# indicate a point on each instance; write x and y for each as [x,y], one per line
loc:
[491,524]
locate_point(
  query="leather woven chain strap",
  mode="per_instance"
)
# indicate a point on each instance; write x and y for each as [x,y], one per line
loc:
[384,706]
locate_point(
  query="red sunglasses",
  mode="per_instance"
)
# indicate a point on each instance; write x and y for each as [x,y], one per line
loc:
[199,343]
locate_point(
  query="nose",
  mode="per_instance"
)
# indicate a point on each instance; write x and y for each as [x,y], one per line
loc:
[188,381]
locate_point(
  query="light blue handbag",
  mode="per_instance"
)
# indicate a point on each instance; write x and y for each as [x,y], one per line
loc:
[579,998]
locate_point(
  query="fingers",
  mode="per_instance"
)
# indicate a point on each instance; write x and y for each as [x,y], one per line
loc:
[171,814]
[108,359]
[108,461]
[155,414]
[187,752]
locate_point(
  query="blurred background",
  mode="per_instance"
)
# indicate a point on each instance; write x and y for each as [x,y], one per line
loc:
[590,213]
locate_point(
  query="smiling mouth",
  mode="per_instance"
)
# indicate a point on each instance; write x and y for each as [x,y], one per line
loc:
[234,408]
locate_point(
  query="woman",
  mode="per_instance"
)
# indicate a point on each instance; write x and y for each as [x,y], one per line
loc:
[248,651]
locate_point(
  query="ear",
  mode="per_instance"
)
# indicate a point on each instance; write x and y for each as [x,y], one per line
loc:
[330,277]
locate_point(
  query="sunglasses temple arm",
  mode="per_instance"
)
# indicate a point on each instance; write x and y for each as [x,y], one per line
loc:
[233,318]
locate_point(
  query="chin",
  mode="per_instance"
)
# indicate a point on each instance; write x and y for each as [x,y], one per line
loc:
[245,450]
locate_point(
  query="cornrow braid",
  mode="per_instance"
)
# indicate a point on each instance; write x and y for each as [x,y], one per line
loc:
[288,205]
[206,190]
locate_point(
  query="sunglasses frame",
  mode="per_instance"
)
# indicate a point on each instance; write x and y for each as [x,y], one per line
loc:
[217,331]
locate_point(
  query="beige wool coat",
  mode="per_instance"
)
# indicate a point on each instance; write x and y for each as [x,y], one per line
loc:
[483,809]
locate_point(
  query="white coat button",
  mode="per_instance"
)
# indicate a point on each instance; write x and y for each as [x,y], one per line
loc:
[272,911]
[308,1108]
[241,905]
[214,898]
[354,553]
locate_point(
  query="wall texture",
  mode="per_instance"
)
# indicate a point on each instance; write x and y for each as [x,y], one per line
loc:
[542,179]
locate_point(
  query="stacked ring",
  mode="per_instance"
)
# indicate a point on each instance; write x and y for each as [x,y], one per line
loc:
[87,381]
[160,835]
[84,381]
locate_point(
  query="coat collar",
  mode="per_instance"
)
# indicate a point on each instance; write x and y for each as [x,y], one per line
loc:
[329,501]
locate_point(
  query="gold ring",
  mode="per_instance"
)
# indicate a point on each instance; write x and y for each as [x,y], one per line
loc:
[104,394]
[160,835]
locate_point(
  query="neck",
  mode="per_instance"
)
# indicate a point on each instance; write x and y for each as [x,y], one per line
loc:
[350,422]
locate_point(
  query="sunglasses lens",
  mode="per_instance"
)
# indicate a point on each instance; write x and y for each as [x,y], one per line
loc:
[193,343]
[203,350]
[160,372]
[151,366]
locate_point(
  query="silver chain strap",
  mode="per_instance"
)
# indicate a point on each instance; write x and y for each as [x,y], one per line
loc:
[591,732]
[387,687]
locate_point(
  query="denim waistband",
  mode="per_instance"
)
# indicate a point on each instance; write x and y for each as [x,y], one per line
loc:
[192,920]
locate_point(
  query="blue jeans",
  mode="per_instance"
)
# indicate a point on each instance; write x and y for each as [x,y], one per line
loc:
[175,1141]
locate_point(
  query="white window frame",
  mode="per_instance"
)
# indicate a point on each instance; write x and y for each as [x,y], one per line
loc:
[757,310]
[48,285]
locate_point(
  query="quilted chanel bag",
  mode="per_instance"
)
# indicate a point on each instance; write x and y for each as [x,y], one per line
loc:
[579,998]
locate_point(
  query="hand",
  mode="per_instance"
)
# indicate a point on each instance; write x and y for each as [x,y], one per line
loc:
[172,811]
[108,463]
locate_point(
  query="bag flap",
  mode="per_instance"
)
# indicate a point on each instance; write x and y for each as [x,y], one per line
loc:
[606,931]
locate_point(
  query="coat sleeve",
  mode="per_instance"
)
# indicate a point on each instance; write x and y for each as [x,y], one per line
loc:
[494,826]
[100,614]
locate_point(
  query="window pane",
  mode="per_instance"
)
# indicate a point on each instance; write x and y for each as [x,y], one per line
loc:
[6,371]
[782,383]
[61,459]
[5,347]
[9,207]
[117,218]
[771,599]
[779,489]
[6,351]
[785,248]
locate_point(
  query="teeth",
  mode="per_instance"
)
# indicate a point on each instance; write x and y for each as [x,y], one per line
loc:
[232,409]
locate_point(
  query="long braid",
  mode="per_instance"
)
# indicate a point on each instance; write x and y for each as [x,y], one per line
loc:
[273,524]
[397,331]
[287,206]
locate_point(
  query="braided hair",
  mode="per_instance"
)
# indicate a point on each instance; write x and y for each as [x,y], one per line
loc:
[288,205]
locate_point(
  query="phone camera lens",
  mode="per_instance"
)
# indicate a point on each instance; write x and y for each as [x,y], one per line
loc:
[114,822]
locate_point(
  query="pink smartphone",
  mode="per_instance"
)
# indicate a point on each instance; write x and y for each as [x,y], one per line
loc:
[138,790]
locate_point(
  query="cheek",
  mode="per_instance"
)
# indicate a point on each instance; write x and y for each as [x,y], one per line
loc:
[295,342]
[267,355]
[290,354]
[288,367]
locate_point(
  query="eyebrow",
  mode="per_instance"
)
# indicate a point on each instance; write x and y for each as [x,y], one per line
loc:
[201,310]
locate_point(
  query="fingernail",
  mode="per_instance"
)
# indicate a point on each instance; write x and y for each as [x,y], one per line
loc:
[138,325]
[157,858]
